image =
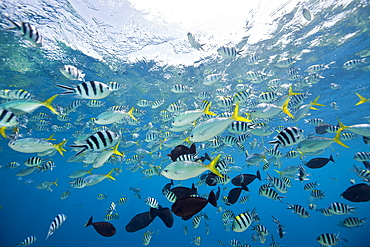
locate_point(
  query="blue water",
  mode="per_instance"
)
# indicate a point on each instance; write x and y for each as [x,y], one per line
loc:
[26,210]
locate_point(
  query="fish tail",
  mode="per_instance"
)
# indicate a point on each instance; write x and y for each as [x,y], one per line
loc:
[56,180]
[89,222]
[109,174]
[362,99]
[337,139]
[258,175]
[280,173]
[285,108]
[236,116]
[50,138]
[131,115]
[187,139]
[2,132]
[291,93]
[13,25]
[115,150]
[90,171]
[212,166]
[207,111]
[315,102]
[331,158]
[48,104]
[59,147]
[341,126]
[212,199]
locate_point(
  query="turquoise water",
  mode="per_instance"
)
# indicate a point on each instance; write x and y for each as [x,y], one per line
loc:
[337,33]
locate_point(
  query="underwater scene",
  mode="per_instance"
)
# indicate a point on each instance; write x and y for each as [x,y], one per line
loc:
[195,123]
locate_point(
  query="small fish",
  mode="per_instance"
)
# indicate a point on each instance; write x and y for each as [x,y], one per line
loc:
[57,222]
[28,241]
[328,239]
[105,229]
[227,52]
[72,73]
[288,137]
[27,31]
[197,241]
[298,209]
[243,221]
[319,162]
[101,197]
[147,236]
[193,42]
[152,202]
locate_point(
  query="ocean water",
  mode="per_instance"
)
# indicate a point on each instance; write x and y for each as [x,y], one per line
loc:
[338,32]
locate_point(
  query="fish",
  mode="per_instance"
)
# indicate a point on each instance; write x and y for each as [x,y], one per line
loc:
[36,145]
[328,239]
[27,31]
[193,42]
[72,73]
[315,143]
[28,241]
[88,90]
[109,116]
[80,173]
[362,156]
[105,229]
[340,208]
[288,137]
[351,222]
[147,236]
[7,119]
[298,209]
[99,141]
[245,179]
[187,117]
[210,128]
[318,162]
[190,206]
[26,171]
[152,202]
[57,222]
[142,220]
[181,170]
[359,129]
[184,192]
[197,241]
[104,156]
[233,196]
[97,178]
[357,193]
[46,185]
[22,106]
[227,52]
[243,221]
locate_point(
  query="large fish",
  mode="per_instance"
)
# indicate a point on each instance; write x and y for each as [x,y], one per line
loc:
[181,170]
[357,193]
[318,162]
[105,229]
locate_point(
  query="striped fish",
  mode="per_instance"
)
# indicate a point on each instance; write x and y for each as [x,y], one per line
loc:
[152,202]
[122,200]
[99,141]
[288,137]
[238,127]
[298,209]
[242,96]
[114,86]
[8,118]
[28,241]
[147,236]
[57,222]
[27,31]
[33,161]
[353,222]
[227,52]
[156,104]
[243,221]
[340,208]
[72,73]
[88,90]
[328,239]
[317,194]
[170,196]
[196,220]
[144,103]
[310,186]
[362,156]
[178,88]
[277,183]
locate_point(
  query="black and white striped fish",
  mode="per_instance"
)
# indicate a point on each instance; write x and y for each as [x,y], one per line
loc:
[310,186]
[270,193]
[227,52]
[298,209]
[362,156]
[156,104]
[28,241]
[57,222]
[33,161]
[242,221]
[170,196]
[328,239]
[288,137]
[242,96]
[340,208]
[46,167]
[88,90]
[72,73]
[99,141]
[178,88]
[8,118]
[277,183]
[152,202]
[114,86]
[317,194]
[196,220]
[238,127]
[353,222]
[27,31]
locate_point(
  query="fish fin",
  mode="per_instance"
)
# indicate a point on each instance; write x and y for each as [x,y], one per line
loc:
[236,116]
[258,175]
[291,93]
[56,180]
[109,174]
[285,108]
[2,132]
[50,138]
[48,103]
[212,199]
[341,126]
[131,115]
[115,150]
[90,171]
[337,139]
[89,222]
[331,158]
[207,111]
[362,99]
[59,147]
[315,101]
[193,148]
[212,166]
